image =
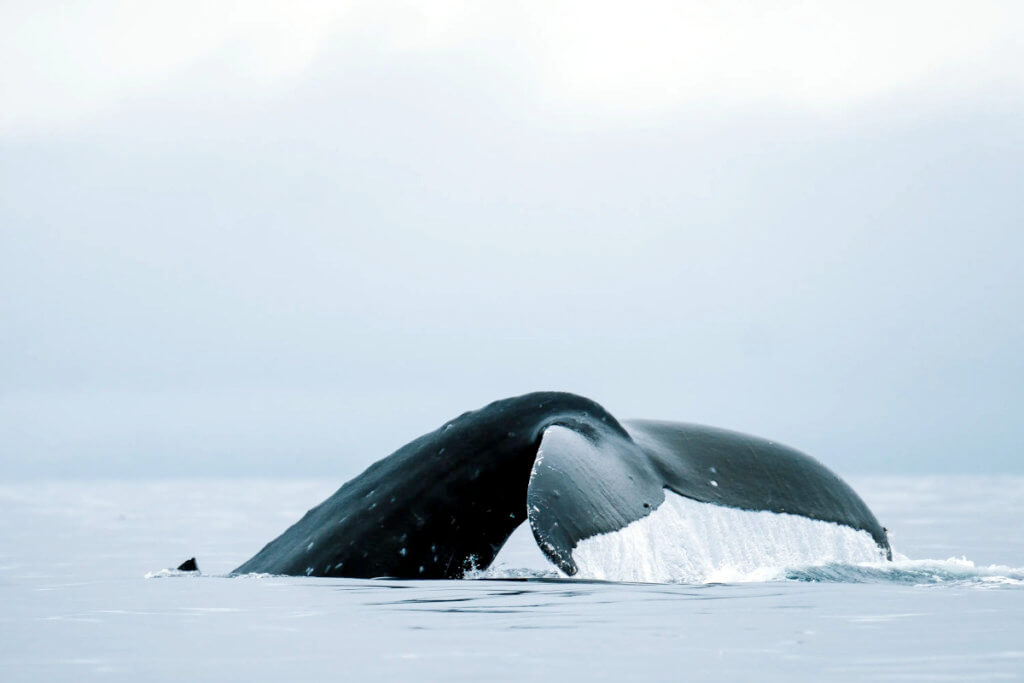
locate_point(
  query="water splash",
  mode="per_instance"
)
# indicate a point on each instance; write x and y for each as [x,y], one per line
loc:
[692,542]
[953,571]
[685,541]
[170,573]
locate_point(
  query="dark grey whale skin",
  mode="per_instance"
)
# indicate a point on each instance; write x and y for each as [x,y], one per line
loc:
[435,507]
[448,501]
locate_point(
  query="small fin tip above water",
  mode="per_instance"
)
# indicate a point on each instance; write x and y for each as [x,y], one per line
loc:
[188,565]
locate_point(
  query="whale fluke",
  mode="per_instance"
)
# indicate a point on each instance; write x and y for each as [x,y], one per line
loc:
[447,501]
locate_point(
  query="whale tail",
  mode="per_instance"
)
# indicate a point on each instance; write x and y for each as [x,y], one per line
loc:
[449,500]
[188,565]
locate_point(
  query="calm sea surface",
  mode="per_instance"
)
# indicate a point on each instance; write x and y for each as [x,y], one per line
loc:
[75,602]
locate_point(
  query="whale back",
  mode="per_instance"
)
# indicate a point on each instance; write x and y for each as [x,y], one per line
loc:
[438,506]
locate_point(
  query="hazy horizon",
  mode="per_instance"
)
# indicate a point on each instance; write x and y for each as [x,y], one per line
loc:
[290,241]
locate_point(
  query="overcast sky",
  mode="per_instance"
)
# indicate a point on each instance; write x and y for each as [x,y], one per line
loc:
[286,238]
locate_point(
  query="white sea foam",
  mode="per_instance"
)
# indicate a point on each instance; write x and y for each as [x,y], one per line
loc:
[692,542]
[952,571]
[169,573]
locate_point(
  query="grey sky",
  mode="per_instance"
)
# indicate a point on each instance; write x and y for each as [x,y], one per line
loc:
[286,239]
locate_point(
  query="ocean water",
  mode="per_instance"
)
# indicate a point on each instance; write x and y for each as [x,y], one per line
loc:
[76,603]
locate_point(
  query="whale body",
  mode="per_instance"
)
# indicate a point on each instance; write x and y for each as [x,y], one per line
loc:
[446,502]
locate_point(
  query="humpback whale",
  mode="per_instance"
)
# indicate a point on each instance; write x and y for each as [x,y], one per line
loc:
[446,502]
